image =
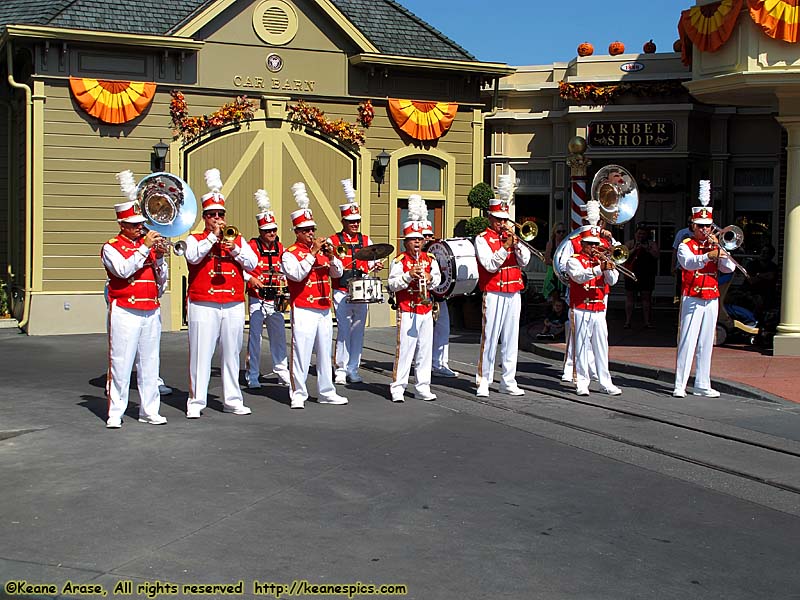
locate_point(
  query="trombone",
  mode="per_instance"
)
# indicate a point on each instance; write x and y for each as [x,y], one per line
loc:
[618,254]
[525,233]
[728,239]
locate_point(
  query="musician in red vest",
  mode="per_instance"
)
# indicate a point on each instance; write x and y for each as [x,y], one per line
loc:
[501,258]
[351,317]
[590,276]
[216,303]
[441,328]
[309,264]
[137,276]
[266,286]
[411,276]
[701,262]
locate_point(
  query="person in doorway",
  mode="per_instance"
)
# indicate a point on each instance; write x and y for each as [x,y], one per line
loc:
[643,261]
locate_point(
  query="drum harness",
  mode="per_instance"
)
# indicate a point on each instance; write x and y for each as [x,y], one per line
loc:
[352,272]
[270,292]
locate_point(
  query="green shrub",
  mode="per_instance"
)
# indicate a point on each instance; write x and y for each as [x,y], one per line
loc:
[4,306]
[479,196]
[475,225]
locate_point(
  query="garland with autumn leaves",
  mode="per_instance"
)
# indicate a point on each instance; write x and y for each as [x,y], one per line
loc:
[242,109]
[606,93]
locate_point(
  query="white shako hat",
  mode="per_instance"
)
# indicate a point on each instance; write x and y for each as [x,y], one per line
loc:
[213,200]
[592,232]
[303,216]
[130,211]
[349,211]
[417,212]
[500,204]
[703,214]
[265,217]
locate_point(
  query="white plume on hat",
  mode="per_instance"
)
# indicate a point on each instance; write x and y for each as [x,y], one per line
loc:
[214,180]
[262,201]
[505,188]
[127,184]
[417,209]
[705,192]
[300,194]
[349,192]
[593,212]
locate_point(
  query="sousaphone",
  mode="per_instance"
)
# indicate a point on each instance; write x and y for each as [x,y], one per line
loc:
[168,204]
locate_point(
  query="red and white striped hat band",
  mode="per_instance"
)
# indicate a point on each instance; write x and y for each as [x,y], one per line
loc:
[350,212]
[413,229]
[302,218]
[129,212]
[427,228]
[213,201]
[266,220]
[591,234]
[702,215]
[498,208]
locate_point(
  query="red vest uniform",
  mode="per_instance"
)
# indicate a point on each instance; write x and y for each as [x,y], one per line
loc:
[140,290]
[269,266]
[218,277]
[315,290]
[348,261]
[409,299]
[508,277]
[591,294]
[703,282]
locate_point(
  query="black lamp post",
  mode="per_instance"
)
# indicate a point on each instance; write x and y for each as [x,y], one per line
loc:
[379,168]
[158,158]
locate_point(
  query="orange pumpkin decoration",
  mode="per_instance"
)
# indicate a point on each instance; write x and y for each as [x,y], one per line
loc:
[585,49]
[677,46]
[615,48]
[649,47]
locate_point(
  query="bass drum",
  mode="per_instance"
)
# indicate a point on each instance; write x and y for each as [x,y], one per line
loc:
[459,267]
[564,250]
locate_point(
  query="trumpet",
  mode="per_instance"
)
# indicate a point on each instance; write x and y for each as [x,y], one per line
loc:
[525,233]
[422,285]
[230,233]
[728,239]
[618,254]
[178,248]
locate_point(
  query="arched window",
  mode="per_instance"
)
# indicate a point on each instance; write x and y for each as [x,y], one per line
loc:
[426,177]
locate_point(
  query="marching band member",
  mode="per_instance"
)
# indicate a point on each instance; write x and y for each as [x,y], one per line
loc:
[137,276]
[216,303]
[351,317]
[265,285]
[309,265]
[701,262]
[441,328]
[590,277]
[500,261]
[412,274]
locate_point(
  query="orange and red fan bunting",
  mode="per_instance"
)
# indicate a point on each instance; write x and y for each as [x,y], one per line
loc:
[112,101]
[778,19]
[708,27]
[423,120]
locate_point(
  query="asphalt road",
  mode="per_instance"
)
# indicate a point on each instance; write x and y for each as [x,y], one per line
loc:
[542,496]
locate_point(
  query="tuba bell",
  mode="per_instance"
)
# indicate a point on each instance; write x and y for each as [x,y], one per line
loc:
[616,191]
[169,205]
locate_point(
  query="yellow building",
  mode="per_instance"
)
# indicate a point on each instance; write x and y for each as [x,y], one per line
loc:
[66,68]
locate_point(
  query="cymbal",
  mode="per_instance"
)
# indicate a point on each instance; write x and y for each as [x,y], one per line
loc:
[374,252]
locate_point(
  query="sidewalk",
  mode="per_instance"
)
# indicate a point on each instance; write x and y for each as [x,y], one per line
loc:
[738,367]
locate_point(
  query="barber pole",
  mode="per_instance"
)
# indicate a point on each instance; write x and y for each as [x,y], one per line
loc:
[578,205]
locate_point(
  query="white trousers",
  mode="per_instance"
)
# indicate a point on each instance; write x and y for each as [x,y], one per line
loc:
[591,336]
[210,322]
[697,329]
[569,350]
[441,338]
[351,320]
[501,313]
[414,340]
[133,335]
[312,331]
[262,313]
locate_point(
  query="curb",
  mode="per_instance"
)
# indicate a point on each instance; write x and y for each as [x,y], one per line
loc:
[658,374]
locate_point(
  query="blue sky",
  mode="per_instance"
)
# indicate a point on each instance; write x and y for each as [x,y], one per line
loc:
[534,32]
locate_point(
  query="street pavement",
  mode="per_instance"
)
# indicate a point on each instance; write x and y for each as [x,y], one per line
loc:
[543,496]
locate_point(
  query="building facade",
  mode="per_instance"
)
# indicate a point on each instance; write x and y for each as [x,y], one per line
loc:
[180,60]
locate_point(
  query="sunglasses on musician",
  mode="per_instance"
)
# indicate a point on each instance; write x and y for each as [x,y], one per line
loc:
[214,214]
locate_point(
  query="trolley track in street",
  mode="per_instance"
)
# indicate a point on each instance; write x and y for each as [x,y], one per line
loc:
[529,411]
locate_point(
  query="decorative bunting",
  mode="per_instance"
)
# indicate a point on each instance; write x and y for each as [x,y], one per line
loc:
[708,27]
[112,101]
[422,120]
[778,19]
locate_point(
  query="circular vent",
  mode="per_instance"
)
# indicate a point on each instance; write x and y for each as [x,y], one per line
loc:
[275,22]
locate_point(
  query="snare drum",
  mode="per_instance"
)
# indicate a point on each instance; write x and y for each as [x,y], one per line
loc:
[459,267]
[366,290]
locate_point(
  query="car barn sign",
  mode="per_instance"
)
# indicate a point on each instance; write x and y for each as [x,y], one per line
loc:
[631,134]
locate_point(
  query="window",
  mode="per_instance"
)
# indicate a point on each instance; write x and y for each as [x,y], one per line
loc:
[420,175]
[754,201]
